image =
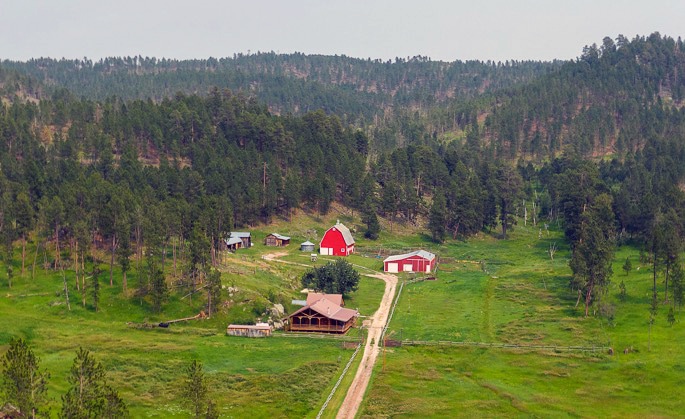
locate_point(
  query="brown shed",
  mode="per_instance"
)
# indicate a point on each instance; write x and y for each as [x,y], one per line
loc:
[275,239]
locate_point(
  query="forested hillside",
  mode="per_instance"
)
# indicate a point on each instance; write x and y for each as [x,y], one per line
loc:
[614,98]
[294,83]
[193,166]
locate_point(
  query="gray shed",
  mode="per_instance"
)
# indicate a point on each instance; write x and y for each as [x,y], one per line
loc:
[307,246]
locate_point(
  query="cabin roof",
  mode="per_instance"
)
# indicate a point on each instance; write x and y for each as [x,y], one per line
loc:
[329,309]
[279,236]
[313,297]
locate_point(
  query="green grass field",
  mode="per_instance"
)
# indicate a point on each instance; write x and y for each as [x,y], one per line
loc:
[279,376]
[519,296]
[487,290]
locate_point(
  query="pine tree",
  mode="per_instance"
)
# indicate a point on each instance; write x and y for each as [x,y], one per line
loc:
[95,287]
[593,252]
[627,266]
[195,390]
[23,383]
[370,219]
[438,217]
[159,289]
[89,395]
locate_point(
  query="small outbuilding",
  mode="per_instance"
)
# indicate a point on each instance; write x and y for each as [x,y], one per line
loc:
[245,238]
[233,243]
[337,241]
[259,330]
[307,246]
[417,261]
[275,239]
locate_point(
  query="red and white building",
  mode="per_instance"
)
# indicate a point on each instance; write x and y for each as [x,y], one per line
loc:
[417,261]
[337,241]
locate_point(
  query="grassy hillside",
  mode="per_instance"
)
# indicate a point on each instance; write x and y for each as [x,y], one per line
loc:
[280,376]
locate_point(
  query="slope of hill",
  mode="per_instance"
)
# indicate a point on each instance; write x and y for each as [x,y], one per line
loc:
[353,88]
[614,98]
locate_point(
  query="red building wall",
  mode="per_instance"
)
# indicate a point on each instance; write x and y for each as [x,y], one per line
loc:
[418,264]
[333,239]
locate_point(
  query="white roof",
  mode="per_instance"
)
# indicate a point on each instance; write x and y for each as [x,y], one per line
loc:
[240,234]
[233,240]
[280,237]
[307,243]
[347,236]
[421,253]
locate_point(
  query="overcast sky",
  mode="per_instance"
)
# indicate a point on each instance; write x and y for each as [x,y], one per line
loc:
[443,30]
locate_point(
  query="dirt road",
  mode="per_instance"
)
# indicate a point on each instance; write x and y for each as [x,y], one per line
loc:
[374,325]
[274,257]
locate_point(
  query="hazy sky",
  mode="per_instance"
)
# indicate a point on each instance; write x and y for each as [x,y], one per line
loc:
[443,30]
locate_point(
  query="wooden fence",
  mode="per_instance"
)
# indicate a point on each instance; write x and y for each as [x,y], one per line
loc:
[555,348]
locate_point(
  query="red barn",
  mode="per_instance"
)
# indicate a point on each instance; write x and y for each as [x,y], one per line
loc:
[337,241]
[418,261]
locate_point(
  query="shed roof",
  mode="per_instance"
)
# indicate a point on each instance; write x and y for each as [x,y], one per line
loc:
[250,326]
[421,253]
[307,243]
[241,234]
[279,236]
[313,297]
[347,236]
[233,240]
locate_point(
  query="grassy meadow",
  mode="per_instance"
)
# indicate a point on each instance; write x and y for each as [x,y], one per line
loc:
[487,290]
[520,296]
[279,376]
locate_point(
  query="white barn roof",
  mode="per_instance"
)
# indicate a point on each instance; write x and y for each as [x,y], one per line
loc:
[421,253]
[347,236]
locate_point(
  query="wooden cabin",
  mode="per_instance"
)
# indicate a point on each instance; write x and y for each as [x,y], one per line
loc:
[275,239]
[259,330]
[233,244]
[323,313]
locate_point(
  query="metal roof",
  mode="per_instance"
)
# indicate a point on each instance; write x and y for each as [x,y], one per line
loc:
[240,234]
[250,326]
[307,243]
[280,237]
[421,253]
[233,240]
